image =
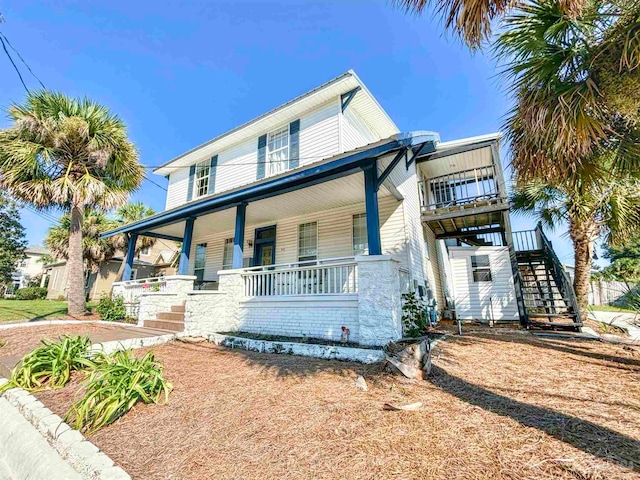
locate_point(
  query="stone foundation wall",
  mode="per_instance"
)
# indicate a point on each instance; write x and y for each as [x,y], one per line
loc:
[206,313]
[317,316]
[373,315]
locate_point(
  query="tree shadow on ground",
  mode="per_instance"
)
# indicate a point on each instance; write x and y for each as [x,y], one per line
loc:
[584,435]
[581,347]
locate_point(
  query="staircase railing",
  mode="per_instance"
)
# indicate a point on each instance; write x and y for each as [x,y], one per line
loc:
[560,275]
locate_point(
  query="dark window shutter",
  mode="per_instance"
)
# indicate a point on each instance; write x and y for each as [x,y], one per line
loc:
[192,174]
[262,156]
[294,144]
[213,165]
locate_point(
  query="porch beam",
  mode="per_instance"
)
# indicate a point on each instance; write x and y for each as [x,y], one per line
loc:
[161,236]
[371,206]
[238,237]
[424,149]
[183,266]
[387,171]
[470,233]
[456,150]
[345,98]
[131,251]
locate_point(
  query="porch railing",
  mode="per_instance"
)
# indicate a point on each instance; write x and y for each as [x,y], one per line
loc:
[459,188]
[131,290]
[336,276]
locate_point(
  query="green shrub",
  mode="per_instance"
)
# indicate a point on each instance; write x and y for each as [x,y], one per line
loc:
[50,366]
[31,293]
[116,383]
[414,318]
[111,309]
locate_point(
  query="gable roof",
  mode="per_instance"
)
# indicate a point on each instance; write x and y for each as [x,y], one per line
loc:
[363,100]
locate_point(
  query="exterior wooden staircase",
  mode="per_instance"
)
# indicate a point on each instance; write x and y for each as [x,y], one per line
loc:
[173,320]
[547,291]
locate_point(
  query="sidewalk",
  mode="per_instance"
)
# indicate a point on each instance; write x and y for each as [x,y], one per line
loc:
[629,321]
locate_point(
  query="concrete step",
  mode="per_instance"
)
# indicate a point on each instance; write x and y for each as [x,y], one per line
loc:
[178,308]
[171,325]
[170,316]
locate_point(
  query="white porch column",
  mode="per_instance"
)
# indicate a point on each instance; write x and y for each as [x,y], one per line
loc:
[379,299]
[231,284]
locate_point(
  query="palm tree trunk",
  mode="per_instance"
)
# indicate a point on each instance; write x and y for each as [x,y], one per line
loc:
[75,264]
[121,269]
[582,234]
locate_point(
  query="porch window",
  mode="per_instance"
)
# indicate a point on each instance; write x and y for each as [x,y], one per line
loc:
[360,244]
[201,258]
[227,254]
[278,150]
[201,184]
[134,274]
[481,268]
[308,241]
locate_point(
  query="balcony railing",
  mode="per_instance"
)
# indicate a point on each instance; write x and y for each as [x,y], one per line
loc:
[336,276]
[476,185]
[525,240]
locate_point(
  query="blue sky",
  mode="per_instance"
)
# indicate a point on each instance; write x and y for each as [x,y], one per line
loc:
[180,73]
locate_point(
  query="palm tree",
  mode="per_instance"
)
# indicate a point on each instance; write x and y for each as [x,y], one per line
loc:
[472,20]
[594,203]
[576,85]
[129,213]
[68,154]
[94,249]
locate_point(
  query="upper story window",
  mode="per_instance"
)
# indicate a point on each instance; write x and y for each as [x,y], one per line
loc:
[144,251]
[227,254]
[278,150]
[307,241]
[360,243]
[201,183]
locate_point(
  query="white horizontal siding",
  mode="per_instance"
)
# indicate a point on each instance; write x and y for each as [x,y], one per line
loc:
[319,133]
[432,267]
[177,188]
[334,236]
[483,300]
[237,165]
[355,132]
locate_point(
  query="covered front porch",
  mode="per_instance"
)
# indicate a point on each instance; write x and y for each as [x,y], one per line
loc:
[313,253]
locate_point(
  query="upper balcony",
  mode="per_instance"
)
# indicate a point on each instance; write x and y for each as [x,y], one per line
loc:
[462,187]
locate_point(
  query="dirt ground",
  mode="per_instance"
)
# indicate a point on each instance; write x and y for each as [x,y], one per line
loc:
[18,341]
[500,404]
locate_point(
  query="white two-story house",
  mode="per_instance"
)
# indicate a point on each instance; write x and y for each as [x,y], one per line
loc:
[319,214]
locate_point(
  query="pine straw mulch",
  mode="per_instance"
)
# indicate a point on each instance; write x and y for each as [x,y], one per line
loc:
[500,405]
[20,340]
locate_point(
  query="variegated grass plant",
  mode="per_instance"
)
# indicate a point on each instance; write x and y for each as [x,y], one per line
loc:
[51,365]
[116,383]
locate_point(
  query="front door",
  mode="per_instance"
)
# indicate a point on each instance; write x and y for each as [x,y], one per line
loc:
[265,246]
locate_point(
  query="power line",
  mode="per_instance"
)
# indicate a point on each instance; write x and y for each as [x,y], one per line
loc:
[4,47]
[237,164]
[2,35]
[156,184]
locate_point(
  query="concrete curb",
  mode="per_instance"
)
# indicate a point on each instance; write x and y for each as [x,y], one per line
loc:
[72,447]
[329,352]
[77,454]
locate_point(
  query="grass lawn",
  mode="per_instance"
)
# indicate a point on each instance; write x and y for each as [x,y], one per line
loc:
[30,310]
[500,404]
[610,308]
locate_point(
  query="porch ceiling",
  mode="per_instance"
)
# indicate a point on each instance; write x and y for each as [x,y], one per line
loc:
[336,193]
[457,162]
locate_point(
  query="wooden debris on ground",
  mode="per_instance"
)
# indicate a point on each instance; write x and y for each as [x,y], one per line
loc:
[413,360]
[405,408]
[361,383]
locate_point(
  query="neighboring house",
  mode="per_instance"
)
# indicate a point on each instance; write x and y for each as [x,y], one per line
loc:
[29,268]
[157,260]
[318,214]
